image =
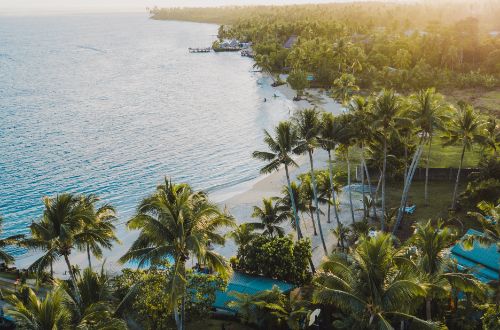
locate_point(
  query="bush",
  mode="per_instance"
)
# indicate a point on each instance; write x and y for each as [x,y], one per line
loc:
[476,79]
[486,190]
[276,257]
[151,299]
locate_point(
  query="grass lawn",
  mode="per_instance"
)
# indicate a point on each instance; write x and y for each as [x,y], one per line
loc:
[212,324]
[445,157]
[440,193]
[488,102]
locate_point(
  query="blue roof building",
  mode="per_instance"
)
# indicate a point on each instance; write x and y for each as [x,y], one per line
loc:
[484,261]
[248,284]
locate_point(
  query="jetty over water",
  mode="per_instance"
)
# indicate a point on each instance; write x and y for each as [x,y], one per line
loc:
[200,50]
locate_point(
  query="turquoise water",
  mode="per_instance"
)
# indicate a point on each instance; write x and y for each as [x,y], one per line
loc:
[109,104]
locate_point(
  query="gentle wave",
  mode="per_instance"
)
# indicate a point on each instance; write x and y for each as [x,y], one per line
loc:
[116,124]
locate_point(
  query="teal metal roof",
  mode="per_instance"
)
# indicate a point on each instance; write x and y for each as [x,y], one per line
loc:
[483,260]
[244,283]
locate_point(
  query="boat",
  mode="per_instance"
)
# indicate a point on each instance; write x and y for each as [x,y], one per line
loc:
[200,50]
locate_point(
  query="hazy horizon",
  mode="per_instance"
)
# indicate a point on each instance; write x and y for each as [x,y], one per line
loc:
[85,6]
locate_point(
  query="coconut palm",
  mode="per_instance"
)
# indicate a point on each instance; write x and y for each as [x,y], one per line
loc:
[345,142]
[491,136]
[270,216]
[308,127]
[431,243]
[370,285]
[326,194]
[4,242]
[41,240]
[490,225]
[307,196]
[271,309]
[281,147]
[49,313]
[63,219]
[176,222]
[428,113]
[285,202]
[341,232]
[386,107]
[243,234]
[465,128]
[96,309]
[98,231]
[360,108]
[344,87]
[330,135]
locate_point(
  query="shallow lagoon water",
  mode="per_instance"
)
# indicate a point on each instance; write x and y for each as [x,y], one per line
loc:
[110,104]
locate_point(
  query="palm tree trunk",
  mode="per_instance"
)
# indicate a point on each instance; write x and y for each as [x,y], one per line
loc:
[365,206]
[332,187]
[428,309]
[183,312]
[51,269]
[294,208]
[426,194]
[349,185]
[372,195]
[88,256]
[407,184]
[406,162]
[73,279]
[384,167]
[328,220]
[315,195]
[311,213]
[454,199]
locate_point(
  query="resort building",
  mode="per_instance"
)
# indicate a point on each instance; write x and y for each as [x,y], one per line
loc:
[483,261]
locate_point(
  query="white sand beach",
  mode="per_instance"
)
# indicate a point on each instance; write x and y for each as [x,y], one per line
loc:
[240,200]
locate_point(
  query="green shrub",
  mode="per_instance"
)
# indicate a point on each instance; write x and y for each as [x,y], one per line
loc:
[276,257]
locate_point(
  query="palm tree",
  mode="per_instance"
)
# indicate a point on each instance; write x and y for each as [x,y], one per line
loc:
[369,285]
[41,240]
[176,222]
[308,126]
[344,87]
[4,242]
[307,196]
[243,234]
[326,193]
[428,113]
[491,136]
[431,243]
[270,216]
[271,309]
[341,232]
[285,202]
[281,147]
[264,63]
[98,231]
[345,141]
[360,108]
[41,314]
[386,107]
[329,136]
[96,309]
[63,219]
[465,128]
[489,222]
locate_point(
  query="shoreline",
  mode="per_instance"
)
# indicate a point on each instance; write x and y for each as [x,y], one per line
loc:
[239,199]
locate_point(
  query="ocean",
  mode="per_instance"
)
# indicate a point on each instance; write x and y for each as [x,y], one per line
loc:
[111,104]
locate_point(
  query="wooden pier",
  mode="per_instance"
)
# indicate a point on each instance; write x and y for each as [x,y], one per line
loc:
[200,50]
